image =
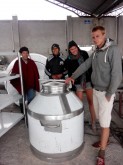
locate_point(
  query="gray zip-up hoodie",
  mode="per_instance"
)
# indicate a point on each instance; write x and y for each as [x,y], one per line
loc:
[106,68]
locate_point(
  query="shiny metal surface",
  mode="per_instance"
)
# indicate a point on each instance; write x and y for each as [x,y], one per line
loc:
[54,87]
[56,114]
[8,120]
[58,157]
[55,117]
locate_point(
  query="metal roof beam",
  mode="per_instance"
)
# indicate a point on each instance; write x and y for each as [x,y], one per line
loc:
[116,12]
[74,10]
[102,8]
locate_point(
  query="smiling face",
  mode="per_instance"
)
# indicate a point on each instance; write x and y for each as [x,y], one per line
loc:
[99,38]
[74,50]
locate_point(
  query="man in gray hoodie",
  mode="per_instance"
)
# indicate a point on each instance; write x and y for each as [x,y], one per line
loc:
[106,77]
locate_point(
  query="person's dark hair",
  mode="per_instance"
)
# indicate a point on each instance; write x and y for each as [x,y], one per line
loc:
[23,49]
[71,44]
[101,28]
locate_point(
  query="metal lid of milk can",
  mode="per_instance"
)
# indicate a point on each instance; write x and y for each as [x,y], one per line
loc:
[54,87]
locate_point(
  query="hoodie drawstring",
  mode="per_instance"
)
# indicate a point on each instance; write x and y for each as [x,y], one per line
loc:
[105,55]
[94,55]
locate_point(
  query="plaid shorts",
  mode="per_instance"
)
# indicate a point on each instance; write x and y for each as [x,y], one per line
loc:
[83,86]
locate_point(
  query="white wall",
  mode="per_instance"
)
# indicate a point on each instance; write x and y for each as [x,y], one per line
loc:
[6,37]
[38,36]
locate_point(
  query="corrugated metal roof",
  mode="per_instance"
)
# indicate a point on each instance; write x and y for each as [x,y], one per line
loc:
[96,8]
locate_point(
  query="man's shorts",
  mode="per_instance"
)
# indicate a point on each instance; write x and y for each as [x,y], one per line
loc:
[84,86]
[103,108]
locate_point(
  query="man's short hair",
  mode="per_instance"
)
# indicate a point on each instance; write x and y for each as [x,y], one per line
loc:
[101,28]
[23,49]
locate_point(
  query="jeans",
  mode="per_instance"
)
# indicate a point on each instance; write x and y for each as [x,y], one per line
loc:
[30,95]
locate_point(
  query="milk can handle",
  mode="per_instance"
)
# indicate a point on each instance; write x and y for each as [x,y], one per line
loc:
[49,126]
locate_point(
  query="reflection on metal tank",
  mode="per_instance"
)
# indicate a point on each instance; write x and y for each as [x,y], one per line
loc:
[56,124]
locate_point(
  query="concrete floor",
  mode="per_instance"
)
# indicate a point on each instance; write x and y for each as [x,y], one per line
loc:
[15,145]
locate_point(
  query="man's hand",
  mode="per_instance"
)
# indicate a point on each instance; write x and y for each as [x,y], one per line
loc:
[57,76]
[68,80]
[108,98]
[54,76]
